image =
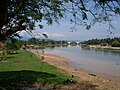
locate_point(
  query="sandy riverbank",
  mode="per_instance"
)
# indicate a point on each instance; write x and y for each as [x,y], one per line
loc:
[103,83]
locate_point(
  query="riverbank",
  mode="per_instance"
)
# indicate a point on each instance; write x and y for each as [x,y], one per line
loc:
[24,69]
[104,47]
[103,82]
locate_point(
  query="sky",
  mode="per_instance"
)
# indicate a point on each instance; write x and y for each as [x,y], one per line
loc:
[63,31]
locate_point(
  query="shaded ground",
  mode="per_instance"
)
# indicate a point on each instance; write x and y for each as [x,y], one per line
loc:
[25,78]
[25,71]
[18,80]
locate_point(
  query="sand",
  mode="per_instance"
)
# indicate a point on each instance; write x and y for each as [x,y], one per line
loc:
[103,82]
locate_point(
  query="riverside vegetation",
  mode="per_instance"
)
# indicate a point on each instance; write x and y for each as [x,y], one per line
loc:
[24,69]
[114,42]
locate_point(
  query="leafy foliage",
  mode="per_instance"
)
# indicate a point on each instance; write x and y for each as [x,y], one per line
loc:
[26,71]
[34,41]
[18,15]
[13,44]
[115,42]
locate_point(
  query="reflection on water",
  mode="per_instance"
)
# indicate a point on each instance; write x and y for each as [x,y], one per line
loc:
[50,47]
[57,46]
[104,51]
[95,50]
[90,59]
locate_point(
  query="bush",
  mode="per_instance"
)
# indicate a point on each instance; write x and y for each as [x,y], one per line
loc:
[2,55]
[115,44]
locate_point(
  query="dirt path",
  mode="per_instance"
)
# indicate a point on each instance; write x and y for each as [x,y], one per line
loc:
[103,83]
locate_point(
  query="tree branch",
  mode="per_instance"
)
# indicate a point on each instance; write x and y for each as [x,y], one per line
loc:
[6,33]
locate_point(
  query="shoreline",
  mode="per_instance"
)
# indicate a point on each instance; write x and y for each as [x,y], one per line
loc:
[104,47]
[107,83]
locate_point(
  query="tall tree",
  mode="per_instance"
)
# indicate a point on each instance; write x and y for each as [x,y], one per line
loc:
[18,15]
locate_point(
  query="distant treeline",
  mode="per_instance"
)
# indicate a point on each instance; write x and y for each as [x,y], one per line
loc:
[15,44]
[114,42]
[36,41]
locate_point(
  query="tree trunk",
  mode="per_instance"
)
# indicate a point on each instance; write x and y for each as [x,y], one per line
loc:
[3,13]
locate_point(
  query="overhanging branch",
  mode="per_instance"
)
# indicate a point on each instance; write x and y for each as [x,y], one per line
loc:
[6,33]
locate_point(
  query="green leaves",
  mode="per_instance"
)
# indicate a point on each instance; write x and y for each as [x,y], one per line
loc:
[66,1]
[28,12]
[88,27]
[61,15]
[84,16]
[41,26]
[117,10]
[45,35]
[31,26]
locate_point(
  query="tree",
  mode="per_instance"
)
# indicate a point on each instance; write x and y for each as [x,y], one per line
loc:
[12,45]
[18,15]
[115,44]
[34,41]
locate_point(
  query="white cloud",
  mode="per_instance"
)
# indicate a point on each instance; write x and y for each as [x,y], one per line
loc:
[57,35]
[54,34]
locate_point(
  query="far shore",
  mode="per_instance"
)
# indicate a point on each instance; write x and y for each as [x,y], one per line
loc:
[104,47]
[104,83]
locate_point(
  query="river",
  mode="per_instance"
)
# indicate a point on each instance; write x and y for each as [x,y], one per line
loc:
[96,61]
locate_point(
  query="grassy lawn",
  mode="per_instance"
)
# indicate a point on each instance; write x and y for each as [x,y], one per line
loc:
[25,68]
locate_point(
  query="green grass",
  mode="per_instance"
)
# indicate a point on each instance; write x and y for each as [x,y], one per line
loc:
[26,68]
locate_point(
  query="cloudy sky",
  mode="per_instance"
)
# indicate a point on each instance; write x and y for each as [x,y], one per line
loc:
[63,31]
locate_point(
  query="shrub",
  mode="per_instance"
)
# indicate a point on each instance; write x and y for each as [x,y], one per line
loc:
[115,44]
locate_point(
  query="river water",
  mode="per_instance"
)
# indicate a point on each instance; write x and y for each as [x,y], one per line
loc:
[96,61]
